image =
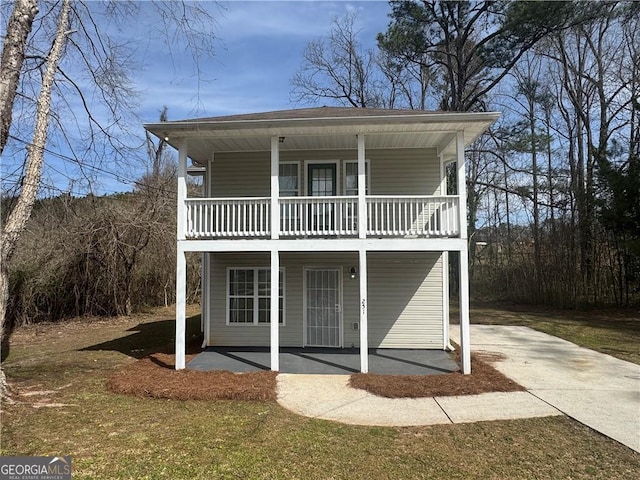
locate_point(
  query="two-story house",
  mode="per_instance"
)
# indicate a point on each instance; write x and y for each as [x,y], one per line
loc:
[324,227]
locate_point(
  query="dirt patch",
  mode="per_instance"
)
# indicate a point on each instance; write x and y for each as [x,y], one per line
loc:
[483,379]
[155,377]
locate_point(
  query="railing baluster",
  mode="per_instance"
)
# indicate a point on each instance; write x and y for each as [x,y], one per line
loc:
[388,215]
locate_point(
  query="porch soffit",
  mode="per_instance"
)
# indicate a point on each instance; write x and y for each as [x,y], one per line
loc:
[433,130]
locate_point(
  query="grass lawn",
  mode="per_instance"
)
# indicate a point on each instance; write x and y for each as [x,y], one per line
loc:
[59,371]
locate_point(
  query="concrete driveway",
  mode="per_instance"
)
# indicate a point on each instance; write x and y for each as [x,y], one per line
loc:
[561,378]
[595,389]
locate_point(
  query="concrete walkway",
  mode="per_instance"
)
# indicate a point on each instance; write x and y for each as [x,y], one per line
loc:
[562,378]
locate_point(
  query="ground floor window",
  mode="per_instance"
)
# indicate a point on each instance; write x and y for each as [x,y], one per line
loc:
[249,296]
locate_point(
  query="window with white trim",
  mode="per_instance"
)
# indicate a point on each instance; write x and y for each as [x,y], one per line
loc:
[351,178]
[249,296]
[289,179]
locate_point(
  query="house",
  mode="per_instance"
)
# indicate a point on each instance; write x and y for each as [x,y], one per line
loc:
[324,227]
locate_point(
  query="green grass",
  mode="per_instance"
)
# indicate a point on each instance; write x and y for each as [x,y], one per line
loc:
[121,437]
[614,332]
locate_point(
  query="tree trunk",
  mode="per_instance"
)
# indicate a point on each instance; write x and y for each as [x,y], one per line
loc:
[18,29]
[536,207]
[19,216]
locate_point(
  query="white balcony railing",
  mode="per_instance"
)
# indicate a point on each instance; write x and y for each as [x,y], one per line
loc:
[324,216]
[228,217]
[400,216]
[387,216]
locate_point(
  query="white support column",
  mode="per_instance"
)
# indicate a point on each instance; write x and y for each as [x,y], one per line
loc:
[362,189]
[182,189]
[465,337]
[275,188]
[462,184]
[206,297]
[205,316]
[364,299]
[181,261]
[181,307]
[446,336]
[275,310]
[443,175]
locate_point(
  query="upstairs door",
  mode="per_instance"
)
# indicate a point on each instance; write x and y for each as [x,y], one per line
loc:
[323,309]
[321,182]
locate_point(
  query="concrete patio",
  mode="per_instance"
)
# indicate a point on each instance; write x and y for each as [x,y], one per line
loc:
[325,361]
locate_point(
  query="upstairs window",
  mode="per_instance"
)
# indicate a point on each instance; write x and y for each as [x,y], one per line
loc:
[351,178]
[289,177]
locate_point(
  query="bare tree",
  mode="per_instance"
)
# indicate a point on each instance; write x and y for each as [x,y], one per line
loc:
[595,113]
[22,211]
[70,58]
[338,69]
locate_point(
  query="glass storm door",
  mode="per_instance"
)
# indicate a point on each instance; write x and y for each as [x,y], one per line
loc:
[322,183]
[323,309]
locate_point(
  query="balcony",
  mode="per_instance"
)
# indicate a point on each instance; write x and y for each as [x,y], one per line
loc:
[324,217]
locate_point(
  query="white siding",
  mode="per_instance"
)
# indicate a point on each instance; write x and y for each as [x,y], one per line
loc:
[405,299]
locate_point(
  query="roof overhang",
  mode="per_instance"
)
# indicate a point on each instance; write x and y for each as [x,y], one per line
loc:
[396,129]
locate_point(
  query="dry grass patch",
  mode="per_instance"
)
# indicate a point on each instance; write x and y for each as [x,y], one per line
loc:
[155,377]
[483,379]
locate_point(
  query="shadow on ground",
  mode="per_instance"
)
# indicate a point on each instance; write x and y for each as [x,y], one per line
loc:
[153,337]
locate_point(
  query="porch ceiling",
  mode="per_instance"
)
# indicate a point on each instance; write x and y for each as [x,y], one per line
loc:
[323,129]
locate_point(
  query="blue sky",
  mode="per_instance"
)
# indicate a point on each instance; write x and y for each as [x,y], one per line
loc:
[260,47]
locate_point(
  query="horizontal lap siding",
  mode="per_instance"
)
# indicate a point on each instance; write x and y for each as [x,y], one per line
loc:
[241,175]
[393,171]
[405,299]
[404,172]
[405,289]
[236,335]
[293,264]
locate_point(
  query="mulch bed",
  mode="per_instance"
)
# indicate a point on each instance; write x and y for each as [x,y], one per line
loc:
[155,377]
[483,379]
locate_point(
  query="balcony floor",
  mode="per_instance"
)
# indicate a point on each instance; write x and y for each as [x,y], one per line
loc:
[343,361]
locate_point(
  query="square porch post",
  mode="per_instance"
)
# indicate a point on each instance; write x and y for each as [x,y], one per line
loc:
[465,338]
[181,261]
[446,337]
[275,310]
[362,189]
[275,188]
[181,308]
[275,255]
[362,254]
[364,328]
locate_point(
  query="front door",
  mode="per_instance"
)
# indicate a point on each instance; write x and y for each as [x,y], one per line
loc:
[323,307]
[321,183]
[321,180]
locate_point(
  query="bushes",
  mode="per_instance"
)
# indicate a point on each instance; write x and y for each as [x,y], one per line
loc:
[97,256]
